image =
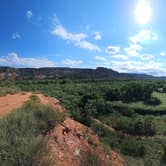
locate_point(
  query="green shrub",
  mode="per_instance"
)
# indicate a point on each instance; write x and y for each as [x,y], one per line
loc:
[21,142]
[152,101]
[8,90]
[100,129]
[133,148]
[113,141]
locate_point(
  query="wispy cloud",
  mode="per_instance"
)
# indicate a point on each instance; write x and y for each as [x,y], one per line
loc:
[163,53]
[97,36]
[71,62]
[100,58]
[120,57]
[131,52]
[79,39]
[136,42]
[113,49]
[12,59]
[16,35]
[29,14]
[146,57]
[151,67]
[131,66]
[143,36]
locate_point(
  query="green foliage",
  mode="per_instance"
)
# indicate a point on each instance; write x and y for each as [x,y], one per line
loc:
[133,148]
[21,142]
[113,94]
[8,90]
[136,92]
[100,129]
[153,101]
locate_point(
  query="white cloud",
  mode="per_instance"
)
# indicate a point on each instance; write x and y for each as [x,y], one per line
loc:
[71,62]
[64,34]
[79,39]
[87,45]
[151,67]
[146,57]
[113,49]
[163,53]
[119,56]
[16,35]
[100,58]
[12,59]
[143,36]
[131,52]
[29,14]
[97,36]
[136,47]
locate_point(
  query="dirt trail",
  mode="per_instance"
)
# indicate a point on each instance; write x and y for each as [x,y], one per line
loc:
[10,102]
[51,102]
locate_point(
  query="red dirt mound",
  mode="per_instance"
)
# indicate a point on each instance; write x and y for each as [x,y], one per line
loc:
[70,140]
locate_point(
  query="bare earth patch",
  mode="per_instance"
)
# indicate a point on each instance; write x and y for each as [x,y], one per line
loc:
[10,102]
[68,141]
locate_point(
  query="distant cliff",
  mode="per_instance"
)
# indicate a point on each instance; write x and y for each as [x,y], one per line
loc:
[8,73]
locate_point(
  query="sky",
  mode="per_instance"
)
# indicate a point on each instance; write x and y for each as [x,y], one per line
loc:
[124,35]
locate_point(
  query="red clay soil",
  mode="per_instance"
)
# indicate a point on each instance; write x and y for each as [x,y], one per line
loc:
[70,140]
[51,102]
[9,102]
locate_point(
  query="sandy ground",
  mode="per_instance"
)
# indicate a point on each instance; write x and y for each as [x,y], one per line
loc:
[9,103]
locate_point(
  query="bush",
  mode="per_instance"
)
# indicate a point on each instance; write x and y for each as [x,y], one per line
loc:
[152,101]
[8,90]
[136,92]
[133,148]
[113,141]
[112,95]
[100,129]
[129,112]
[21,142]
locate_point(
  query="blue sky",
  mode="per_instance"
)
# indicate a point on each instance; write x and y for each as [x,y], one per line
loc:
[84,34]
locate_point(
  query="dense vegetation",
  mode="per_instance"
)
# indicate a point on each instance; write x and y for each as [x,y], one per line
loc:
[128,116]
[21,140]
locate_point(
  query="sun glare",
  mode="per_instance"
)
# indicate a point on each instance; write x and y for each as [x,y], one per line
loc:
[143,12]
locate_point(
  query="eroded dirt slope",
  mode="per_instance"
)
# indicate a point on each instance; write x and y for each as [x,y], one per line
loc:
[70,139]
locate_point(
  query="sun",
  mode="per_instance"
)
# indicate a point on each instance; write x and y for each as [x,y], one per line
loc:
[143,12]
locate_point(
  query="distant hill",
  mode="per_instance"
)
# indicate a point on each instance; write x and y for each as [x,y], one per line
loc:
[9,73]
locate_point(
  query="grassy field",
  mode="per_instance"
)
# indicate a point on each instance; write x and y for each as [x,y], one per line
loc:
[138,106]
